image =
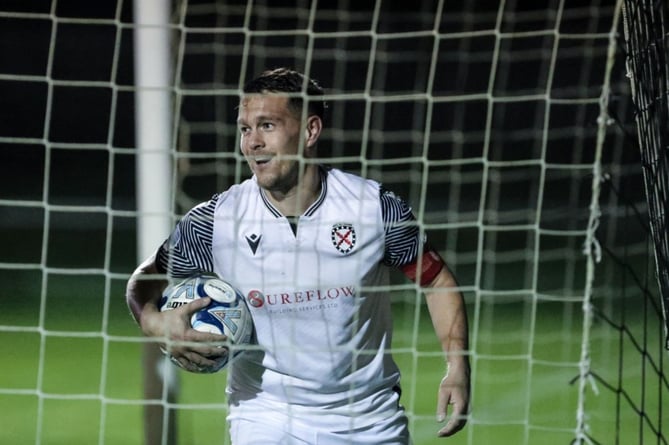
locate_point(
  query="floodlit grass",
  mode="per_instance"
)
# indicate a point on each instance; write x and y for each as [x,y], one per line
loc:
[72,371]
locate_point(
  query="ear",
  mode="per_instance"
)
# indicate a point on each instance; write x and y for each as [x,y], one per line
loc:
[312,130]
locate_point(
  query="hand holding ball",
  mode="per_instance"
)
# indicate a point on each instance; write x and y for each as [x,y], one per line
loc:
[227,314]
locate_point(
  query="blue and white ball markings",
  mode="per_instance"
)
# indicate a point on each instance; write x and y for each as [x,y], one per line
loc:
[227,314]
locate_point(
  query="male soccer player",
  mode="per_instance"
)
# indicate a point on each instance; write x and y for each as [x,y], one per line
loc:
[310,247]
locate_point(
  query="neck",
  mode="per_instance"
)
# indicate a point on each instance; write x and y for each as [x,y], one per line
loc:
[298,199]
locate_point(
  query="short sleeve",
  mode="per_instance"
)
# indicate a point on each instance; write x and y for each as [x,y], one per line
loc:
[402,234]
[188,249]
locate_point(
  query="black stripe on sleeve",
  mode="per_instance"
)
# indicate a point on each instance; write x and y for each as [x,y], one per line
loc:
[188,250]
[403,238]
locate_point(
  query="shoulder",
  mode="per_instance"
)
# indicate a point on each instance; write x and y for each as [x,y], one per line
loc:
[394,209]
[347,177]
[348,183]
[204,212]
[390,199]
[236,193]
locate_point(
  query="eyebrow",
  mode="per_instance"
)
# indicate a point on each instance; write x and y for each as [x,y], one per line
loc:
[262,117]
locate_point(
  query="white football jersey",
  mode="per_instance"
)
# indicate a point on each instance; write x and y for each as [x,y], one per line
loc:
[317,294]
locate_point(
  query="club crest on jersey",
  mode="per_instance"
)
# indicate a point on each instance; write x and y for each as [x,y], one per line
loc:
[343,237]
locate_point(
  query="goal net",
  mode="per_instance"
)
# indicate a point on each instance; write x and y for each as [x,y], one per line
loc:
[509,126]
[645,32]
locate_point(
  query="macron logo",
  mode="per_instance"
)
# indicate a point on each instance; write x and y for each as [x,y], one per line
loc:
[253,241]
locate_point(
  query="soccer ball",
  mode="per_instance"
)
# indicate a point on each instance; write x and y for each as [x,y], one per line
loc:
[227,314]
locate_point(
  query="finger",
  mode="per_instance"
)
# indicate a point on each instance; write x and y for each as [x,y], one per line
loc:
[209,338]
[199,361]
[455,423]
[221,356]
[204,344]
[443,400]
[211,343]
[184,363]
[213,351]
[453,426]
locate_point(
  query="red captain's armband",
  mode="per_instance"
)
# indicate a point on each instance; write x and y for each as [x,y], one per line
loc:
[430,265]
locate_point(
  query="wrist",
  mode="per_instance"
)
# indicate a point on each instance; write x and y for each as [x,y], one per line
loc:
[457,362]
[150,321]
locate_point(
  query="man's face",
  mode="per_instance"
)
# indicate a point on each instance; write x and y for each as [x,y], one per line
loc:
[270,140]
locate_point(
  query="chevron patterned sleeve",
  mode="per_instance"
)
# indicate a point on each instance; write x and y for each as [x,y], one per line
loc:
[189,248]
[401,230]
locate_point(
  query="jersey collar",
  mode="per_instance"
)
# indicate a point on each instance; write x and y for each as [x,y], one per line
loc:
[312,208]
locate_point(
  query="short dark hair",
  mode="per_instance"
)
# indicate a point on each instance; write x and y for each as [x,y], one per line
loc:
[285,80]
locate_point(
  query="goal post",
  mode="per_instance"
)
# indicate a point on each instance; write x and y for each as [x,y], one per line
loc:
[154,130]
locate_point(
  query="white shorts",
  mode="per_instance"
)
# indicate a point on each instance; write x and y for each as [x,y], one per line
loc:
[253,422]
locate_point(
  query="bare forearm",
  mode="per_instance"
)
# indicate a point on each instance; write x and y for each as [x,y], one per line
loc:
[449,316]
[143,292]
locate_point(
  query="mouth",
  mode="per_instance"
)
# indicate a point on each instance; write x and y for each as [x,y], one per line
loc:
[261,160]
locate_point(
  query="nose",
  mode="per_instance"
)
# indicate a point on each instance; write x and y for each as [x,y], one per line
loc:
[252,140]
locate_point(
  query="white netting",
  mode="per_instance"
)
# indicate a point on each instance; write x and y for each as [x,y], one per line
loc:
[486,116]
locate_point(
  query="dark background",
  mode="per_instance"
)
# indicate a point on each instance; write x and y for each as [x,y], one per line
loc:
[485,120]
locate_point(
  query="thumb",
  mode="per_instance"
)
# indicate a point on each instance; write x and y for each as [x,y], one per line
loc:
[197,304]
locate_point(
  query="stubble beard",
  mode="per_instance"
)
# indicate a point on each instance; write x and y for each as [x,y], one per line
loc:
[282,181]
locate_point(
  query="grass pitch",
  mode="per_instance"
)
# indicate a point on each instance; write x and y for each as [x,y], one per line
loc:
[71,371]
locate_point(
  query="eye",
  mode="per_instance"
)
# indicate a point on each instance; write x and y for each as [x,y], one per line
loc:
[267,125]
[244,130]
